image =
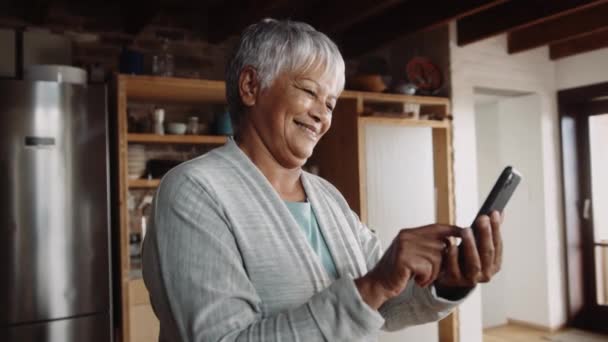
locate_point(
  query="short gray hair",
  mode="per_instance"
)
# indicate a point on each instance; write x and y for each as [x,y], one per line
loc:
[274,46]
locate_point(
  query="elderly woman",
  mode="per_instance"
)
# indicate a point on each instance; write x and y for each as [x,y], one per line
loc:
[245,246]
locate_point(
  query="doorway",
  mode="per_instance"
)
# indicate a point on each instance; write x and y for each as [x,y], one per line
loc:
[508,132]
[584,128]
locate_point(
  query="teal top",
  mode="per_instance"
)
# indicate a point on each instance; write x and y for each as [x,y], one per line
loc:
[303,214]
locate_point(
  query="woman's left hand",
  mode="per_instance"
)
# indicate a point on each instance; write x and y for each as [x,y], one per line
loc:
[480,259]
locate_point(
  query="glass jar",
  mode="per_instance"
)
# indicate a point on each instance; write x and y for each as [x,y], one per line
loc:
[162,64]
[193,126]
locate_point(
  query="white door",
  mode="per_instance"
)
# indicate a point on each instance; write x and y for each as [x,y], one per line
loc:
[400,193]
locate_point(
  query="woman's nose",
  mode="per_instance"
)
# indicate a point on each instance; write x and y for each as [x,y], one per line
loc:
[317,112]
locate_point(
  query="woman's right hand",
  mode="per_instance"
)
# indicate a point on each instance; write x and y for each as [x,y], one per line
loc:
[414,254]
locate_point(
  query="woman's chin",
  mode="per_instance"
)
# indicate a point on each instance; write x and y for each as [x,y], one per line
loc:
[300,156]
[302,149]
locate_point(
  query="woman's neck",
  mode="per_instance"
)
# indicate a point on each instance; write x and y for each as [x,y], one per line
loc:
[285,181]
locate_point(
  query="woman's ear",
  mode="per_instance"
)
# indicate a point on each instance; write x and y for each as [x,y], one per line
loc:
[249,86]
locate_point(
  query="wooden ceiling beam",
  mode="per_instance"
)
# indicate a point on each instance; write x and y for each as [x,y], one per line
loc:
[33,11]
[339,15]
[577,24]
[515,14]
[136,15]
[570,47]
[406,18]
[232,16]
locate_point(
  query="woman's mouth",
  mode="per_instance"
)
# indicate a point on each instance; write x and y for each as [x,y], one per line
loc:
[309,129]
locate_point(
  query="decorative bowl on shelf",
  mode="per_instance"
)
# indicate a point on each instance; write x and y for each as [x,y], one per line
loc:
[405,88]
[367,82]
[425,75]
[178,128]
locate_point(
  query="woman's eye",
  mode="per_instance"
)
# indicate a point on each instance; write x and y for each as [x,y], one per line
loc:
[310,92]
[330,108]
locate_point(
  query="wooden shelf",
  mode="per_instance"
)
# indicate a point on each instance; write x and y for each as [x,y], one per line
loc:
[404,121]
[144,183]
[172,89]
[186,90]
[366,96]
[176,139]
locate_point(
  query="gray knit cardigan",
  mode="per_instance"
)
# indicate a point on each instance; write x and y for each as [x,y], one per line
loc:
[224,260]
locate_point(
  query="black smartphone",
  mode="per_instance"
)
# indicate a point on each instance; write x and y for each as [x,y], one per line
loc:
[501,193]
[499,196]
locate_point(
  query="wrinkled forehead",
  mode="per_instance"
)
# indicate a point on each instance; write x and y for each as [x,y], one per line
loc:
[330,81]
[324,66]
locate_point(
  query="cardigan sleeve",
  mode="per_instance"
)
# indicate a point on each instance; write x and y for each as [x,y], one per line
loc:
[415,305]
[200,289]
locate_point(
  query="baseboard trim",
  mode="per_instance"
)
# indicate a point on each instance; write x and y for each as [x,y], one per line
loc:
[495,326]
[535,326]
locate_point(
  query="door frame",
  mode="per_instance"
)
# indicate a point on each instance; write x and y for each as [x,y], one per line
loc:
[575,108]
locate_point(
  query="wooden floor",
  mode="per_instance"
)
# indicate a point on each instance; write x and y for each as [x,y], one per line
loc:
[514,333]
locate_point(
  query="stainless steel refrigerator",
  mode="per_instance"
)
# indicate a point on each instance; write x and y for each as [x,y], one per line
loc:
[55,282]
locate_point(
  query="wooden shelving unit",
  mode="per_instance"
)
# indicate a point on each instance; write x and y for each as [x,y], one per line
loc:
[339,150]
[138,322]
[343,148]
[386,97]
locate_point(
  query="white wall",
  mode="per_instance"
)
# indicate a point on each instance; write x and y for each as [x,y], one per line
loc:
[487,64]
[494,306]
[400,194]
[39,47]
[44,47]
[584,69]
[528,288]
[507,134]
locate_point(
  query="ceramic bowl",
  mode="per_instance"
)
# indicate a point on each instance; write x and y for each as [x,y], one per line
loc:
[372,82]
[136,157]
[178,128]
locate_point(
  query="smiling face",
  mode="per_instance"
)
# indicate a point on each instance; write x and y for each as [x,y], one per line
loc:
[293,113]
